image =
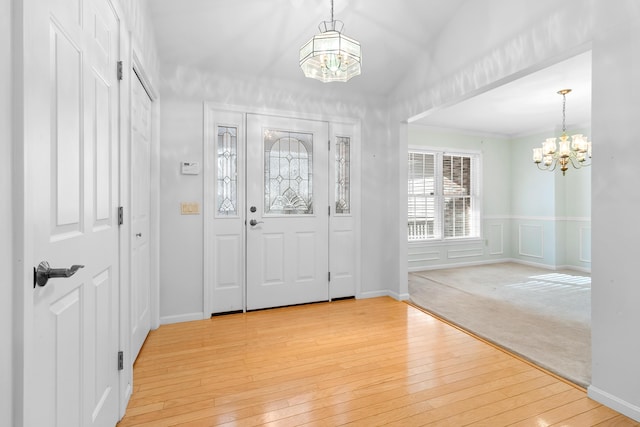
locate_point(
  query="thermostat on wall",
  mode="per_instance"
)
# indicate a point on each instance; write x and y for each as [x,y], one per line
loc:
[190,168]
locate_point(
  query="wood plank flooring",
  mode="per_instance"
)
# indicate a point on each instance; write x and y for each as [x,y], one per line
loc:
[355,362]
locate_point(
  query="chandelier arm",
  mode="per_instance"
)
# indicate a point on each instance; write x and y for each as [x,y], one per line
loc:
[577,164]
[548,168]
[574,161]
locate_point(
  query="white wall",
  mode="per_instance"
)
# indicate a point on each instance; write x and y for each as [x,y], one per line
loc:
[6,255]
[551,213]
[616,201]
[183,93]
[505,38]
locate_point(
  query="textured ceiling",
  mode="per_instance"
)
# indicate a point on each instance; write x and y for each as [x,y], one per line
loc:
[251,38]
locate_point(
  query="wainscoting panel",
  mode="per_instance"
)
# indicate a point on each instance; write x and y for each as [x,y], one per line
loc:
[495,235]
[585,244]
[464,253]
[531,240]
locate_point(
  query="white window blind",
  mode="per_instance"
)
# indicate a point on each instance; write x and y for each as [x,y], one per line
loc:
[443,199]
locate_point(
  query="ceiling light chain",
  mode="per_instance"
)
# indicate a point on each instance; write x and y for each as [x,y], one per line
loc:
[572,151]
[331,56]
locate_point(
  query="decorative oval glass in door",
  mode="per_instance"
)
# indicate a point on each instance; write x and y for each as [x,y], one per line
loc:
[288,171]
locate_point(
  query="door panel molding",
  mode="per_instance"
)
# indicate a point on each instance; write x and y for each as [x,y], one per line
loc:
[342,227]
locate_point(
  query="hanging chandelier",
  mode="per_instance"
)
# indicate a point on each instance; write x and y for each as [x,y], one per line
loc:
[331,56]
[572,150]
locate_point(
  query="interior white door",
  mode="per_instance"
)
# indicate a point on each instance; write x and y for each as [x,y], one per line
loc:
[71,134]
[287,211]
[140,212]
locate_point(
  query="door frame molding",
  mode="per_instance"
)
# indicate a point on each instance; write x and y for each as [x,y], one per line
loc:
[154,203]
[209,110]
[132,62]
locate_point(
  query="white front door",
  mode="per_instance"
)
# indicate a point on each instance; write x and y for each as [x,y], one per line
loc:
[287,216]
[140,213]
[71,143]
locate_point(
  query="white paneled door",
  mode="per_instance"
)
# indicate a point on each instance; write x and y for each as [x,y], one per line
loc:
[71,142]
[140,212]
[287,215]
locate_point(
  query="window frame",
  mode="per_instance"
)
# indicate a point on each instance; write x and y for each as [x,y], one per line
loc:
[475,194]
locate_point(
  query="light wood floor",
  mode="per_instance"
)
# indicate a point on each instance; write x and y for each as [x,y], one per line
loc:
[363,362]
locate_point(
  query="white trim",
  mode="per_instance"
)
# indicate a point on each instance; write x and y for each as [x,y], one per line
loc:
[520,252]
[582,257]
[464,253]
[179,318]
[424,256]
[373,294]
[447,151]
[615,403]
[537,218]
[136,64]
[446,242]
[209,108]
[501,231]
[461,264]
[499,261]
[399,297]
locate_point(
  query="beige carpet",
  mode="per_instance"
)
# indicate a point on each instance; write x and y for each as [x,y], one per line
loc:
[542,315]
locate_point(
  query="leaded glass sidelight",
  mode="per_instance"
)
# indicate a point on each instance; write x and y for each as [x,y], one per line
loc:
[343,170]
[227,197]
[288,171]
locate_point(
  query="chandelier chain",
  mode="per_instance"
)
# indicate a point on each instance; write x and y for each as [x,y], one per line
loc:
[564,104]
[331,10]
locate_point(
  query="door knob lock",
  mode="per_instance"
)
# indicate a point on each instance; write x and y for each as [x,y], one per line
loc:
[253,222]
[44,272]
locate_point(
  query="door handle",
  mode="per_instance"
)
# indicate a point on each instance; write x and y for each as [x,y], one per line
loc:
[253,222]
[138,234]
[44,272]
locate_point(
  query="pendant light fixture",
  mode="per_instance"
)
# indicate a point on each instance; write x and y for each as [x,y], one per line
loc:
[572,150]
[331,56]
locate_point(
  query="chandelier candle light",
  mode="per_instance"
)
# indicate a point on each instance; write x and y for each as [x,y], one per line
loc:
[572,151]
[331,56]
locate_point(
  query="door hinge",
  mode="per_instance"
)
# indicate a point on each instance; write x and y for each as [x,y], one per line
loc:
[329,210]
[120,71]
[120,215]
[329,145]
[120,360]
[329,276]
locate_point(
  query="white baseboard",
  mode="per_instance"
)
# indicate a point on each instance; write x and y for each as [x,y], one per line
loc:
[501,260]
[399,297]
[166,320]
[461,264]
[552,267]
[384,293]
[615,403]
[373,294]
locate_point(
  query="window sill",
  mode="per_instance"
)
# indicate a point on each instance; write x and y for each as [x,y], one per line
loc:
[448,242]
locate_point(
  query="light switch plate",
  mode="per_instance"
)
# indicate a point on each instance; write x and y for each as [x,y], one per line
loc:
[190,208]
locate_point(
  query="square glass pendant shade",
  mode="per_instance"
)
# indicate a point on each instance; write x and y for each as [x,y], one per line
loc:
[331,57]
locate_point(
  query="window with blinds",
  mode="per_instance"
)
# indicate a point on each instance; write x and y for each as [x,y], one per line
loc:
[443,195]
